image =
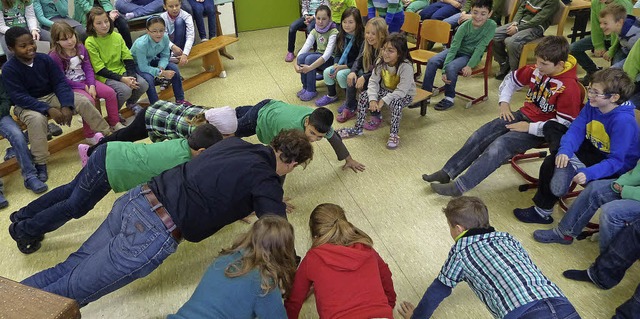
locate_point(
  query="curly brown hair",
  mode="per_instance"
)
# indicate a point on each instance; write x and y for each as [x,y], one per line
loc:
[294,146]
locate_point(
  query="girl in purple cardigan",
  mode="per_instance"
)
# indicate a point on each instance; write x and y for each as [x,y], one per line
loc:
[73,59]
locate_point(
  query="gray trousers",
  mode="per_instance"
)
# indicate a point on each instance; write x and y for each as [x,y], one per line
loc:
[125,93]
[507,49]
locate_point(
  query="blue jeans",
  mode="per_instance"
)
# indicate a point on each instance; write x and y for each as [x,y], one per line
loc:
[615,216]
[438,11]
[176,82]
[12,132]
[139,8]
[293,30]
[394,26]
[122,25]
[451,71]
[579,50]
[551,308]
[630,308]
[248,118]
[309,79]
[73,200]
[129,244]
[200,9]
[453,20]
[610,267]
[486,149]
[179,35]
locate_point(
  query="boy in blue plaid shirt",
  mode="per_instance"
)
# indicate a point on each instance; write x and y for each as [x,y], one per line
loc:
[496,267]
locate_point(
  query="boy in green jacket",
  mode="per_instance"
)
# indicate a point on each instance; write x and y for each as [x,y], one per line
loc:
[632,68]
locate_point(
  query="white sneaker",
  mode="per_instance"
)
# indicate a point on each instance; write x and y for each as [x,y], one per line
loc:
[116,127]
[95,139]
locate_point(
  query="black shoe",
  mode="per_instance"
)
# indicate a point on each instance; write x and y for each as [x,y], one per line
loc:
[42,172]
[14,217]
[504,70]
[36,185]
[444,104]
[54,129]
[26,244]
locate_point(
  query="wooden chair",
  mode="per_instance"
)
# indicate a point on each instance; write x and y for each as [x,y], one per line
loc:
[362,6]
[432,31]
[411,26]
[558,19]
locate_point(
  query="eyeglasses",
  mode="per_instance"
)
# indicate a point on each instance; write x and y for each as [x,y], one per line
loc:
[593,93]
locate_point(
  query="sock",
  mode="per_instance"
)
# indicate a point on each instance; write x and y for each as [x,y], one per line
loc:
[332,90]
[579,275]
[448,189]
[439,176]
[448,98]
[544,213]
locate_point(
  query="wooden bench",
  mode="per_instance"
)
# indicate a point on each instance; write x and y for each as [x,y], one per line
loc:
[419,99]
[23,302]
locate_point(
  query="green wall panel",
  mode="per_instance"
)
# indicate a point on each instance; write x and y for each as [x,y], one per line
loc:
[264,14]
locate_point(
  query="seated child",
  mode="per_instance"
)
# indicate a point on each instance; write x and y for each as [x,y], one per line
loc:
[348,47]
[267,118]
[632,68]
[151,53]
[597,41]
[119,166]
[465,13]
[38,88]
[554,94]
[248,279]
[73,59]
[112,60]
[165,121]
[496,267]
[50,11]
[306,21]
[529,23]
[391,84]
[620,203]
[180,31]
[602,142]
[415,5]
[614,20]
[337,7]
[12,132]
[375,35]
[442,9]
[349,278]
[464,54]
[390,10]
[138,8]
[200,9]
[324,36]
[82,7]
[19,13]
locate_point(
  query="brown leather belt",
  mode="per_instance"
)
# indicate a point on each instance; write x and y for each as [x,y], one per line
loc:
[157,207]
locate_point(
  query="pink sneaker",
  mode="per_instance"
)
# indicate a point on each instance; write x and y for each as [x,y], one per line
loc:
[95,139]
[289,57]
[393,142]
[373,124]
[345,115]
[82,151]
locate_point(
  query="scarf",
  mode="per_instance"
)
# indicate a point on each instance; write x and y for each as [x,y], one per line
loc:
[345,52]
[327,28]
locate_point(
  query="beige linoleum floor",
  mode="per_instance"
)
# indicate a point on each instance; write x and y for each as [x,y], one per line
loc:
[389,201]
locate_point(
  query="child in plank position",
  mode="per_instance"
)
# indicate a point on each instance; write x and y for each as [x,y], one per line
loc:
[465,53]
[554,93]
[496,267]
[248,279]
[119,166]
[38,88]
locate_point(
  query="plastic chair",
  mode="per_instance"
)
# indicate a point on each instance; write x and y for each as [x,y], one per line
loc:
[363,7]
[411,26]
[432,31]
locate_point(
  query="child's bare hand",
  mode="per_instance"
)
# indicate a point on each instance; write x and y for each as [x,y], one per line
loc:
[183,60]
[56,115]
[521,126]
[562,160]
[512,29]
[297,68]
[445,80]
[35,35]
[305,68]
[406,2]
[290,207]
[360,83]
[67,115]
[332,73]
[91,90]
[606,57]
[617,187]
[374,106]
[406,309]
[599,53]
[580,178]
[113,14]
[463,17]
[130,81]
[351,79]
[353,165]
[505,112]
[176,50]
[466,71]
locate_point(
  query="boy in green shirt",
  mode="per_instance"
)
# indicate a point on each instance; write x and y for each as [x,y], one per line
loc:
[632,68]
[117,165]
[467,48]
[267,118]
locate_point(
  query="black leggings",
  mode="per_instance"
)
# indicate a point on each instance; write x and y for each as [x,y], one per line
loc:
[136,131]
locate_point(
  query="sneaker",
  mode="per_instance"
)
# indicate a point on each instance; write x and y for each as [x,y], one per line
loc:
[83,149]
[393,141]
[116,127]
[342,107]
[504,70]
[204,40]
[94,139]
[373,124]
[319,76]
[10,153]
[531,216]
[444,104]
[26,244]
[345,116]
[289,57]
[349,132]
[129,15]
[135,107]
[552,236]
[41,171]
[54,129]
[184,102]
[308,96]
[164,83]
[303,91]
[4,203]
[326,100]
[35,185]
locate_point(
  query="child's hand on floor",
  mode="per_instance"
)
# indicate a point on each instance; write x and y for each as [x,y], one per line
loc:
[353,165]
[406,309]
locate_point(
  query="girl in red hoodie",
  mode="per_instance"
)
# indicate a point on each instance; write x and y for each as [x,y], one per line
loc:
[349,278]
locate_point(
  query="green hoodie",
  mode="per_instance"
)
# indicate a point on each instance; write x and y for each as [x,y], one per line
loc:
[535,13]
[81,7]
[597,37]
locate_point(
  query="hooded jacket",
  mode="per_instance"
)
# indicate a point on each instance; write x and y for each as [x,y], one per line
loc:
[349,282]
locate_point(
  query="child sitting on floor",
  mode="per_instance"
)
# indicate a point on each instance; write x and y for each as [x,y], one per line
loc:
[496,267]
[38,88]
[464,54]
[179,27]
[602,142]
[248,279]
[391,84]
[349,278]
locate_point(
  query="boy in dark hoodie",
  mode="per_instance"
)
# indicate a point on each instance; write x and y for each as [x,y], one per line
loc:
[554,94]
[496,267]
[615,20]
[602,142]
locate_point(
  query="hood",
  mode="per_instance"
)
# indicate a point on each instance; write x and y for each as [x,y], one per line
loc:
[344,258]
[569,70]
[626,107]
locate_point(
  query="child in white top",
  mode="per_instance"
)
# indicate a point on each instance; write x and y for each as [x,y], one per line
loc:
[179,28]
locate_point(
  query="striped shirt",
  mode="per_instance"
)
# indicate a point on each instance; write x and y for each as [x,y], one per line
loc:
[165,120]
[498,270]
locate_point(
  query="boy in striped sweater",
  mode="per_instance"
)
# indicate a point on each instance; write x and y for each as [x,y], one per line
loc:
[496,267]
[390,10]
